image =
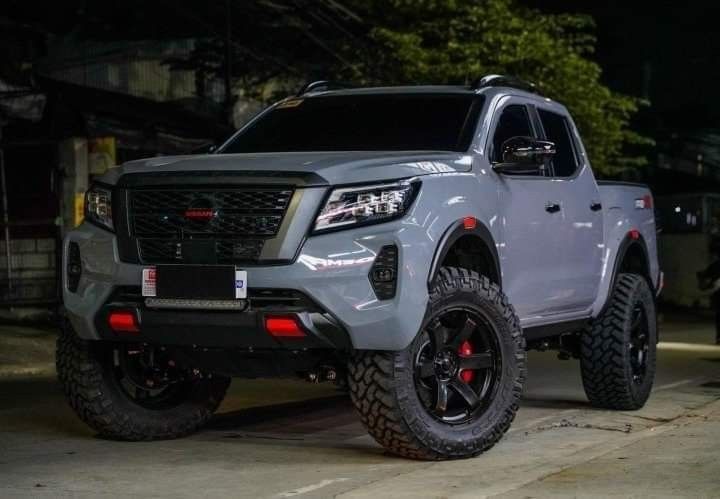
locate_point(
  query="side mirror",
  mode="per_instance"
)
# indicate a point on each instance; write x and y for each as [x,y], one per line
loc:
[525,155]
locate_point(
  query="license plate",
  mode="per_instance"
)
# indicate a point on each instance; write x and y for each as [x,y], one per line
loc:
[240,284]
[195,282]
[149,282]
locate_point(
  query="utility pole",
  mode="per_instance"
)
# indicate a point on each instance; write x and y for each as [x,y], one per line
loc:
[6,218]
[228,63]
[647,74]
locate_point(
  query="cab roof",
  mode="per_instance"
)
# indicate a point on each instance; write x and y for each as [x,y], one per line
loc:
[421,90]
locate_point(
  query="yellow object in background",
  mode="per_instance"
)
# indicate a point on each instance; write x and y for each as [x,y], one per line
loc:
[102,154]
[79,208]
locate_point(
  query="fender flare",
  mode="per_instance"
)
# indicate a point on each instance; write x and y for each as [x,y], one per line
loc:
[452,234]
[625,245]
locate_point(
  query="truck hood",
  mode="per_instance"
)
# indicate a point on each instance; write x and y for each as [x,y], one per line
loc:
[320,168]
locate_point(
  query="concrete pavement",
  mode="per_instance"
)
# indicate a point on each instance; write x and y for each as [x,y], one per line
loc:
[292,439]
[26,351]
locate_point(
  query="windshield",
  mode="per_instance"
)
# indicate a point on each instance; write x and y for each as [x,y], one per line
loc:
[379,122]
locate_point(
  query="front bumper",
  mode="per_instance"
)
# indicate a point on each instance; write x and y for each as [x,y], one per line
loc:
[331,271]
[223,328]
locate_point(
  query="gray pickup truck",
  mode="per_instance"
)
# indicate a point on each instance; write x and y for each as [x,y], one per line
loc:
[409,243]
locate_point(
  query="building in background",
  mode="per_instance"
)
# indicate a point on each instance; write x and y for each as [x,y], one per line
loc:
[122,105]
[127,81]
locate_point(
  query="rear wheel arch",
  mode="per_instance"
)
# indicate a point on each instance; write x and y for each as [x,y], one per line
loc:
[470,248]
[633,258]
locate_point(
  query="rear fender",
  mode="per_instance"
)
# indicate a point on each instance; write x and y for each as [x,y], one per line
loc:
[632,243]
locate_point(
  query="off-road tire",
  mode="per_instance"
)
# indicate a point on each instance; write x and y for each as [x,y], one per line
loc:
[86,378]
[383,391]
[605,357]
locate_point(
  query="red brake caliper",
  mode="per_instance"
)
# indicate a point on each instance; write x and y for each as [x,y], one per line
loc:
[466,349]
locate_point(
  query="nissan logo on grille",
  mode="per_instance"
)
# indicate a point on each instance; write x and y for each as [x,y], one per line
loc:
[200,210]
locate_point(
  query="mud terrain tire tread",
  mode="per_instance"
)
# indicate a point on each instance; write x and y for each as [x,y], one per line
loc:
[378,398]
[604,358]
[101,406]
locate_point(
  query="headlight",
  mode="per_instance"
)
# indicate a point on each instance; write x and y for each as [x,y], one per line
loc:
[366,205]
[98,206]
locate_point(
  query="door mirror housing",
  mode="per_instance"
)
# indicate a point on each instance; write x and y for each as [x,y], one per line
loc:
[525,155]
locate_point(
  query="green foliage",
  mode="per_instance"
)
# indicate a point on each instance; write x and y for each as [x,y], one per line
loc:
[455,41]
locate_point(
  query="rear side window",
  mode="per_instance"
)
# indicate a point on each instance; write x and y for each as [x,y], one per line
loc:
[557,130]
[514,122]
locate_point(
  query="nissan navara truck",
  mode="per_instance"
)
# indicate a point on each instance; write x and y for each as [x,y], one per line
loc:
[410,243]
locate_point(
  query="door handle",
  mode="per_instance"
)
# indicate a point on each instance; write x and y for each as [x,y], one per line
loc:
[596,206]
[552,207]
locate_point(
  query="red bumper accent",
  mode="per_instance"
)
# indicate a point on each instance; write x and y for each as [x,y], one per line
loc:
[283,327]
[123,321]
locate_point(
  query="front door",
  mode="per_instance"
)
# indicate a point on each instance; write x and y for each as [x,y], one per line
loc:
[531,227]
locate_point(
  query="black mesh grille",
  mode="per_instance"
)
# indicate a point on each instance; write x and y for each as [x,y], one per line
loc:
[224,226]
[233,223]
[226,251]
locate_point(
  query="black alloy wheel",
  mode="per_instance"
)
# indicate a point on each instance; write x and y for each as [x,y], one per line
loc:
[454,390]
[456,369]
[149,377]
[639,344]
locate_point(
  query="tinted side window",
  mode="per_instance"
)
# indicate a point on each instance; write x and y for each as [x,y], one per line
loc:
[514,122]
[557,130]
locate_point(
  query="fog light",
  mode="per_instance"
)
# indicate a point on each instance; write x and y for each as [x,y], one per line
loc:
[283,327]
[123,321]
[383,274]
[73,269]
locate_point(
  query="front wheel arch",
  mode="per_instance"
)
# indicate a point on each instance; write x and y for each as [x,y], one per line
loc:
[476,242]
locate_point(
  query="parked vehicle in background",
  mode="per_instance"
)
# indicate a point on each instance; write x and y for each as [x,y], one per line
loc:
[689,224]
[414,241]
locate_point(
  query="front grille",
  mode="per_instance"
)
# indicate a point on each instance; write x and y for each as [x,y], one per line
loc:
[232,228]
[226,251]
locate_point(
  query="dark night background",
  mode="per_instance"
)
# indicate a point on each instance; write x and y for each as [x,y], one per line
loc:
[668,53]
[665,51]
